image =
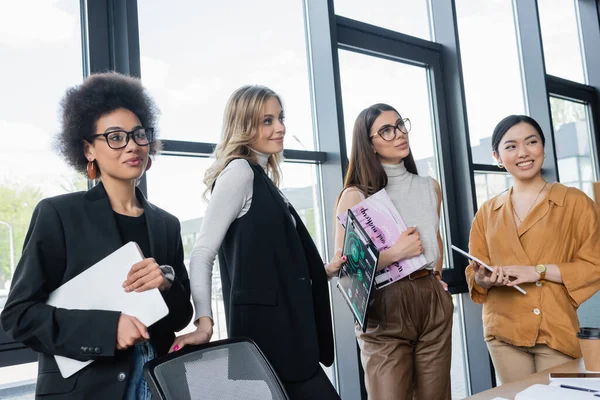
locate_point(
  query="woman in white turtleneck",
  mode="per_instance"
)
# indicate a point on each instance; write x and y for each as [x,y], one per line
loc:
[275,288]
[407,346]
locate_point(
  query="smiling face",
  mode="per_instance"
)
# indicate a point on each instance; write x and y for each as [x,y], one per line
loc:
[126,164]
[521,151]
[271,128]
[392,151]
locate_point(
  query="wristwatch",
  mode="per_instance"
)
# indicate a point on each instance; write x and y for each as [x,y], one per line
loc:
[168,272]
[541,269]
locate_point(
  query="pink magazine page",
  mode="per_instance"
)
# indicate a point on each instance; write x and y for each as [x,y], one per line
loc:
[382,222]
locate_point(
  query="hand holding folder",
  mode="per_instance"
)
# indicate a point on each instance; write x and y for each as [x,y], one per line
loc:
[100,287]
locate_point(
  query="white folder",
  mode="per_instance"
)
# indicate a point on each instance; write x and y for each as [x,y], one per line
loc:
[100,287]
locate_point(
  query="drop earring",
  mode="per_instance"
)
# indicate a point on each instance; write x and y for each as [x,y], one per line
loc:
[92,170]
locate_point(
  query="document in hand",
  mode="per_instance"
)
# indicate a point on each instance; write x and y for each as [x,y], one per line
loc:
[100,288]
[384,225]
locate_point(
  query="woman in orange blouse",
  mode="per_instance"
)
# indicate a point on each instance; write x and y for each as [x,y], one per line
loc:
[544,237]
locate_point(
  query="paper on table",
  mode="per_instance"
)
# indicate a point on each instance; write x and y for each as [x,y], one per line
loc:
[545,392]
[100,288]
[584,383]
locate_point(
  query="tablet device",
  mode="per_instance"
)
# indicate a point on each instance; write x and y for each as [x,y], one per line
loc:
[477,260]
[357,275]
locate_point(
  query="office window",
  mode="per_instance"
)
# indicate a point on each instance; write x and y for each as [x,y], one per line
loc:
[491,69]
[405,16]
[175,184]
[559,22]
[573,138]
[490,184]
[367,80]
[40,43]
[194,54]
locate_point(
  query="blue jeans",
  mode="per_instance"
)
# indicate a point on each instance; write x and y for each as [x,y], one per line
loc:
[137,387]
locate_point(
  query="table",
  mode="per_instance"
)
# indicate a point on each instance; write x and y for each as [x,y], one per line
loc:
[510,390]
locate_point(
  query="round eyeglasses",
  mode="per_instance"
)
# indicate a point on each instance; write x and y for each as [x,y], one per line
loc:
[388,132]
[120,139]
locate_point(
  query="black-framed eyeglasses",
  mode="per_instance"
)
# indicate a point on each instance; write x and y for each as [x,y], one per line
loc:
[388,132]
[120,139]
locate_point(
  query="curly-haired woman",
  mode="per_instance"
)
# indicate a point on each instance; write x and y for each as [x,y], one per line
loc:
[107,132]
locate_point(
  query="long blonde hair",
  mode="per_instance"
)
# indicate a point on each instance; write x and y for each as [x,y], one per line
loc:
[241,121]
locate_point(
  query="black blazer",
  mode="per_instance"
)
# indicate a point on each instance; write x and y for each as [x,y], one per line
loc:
[275,288]
[67,235]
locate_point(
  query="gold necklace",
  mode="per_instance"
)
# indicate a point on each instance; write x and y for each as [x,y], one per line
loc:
[530,207]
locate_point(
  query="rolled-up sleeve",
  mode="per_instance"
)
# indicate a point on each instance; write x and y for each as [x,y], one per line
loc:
[581,275]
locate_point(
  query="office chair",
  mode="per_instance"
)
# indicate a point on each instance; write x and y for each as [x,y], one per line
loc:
[228,369]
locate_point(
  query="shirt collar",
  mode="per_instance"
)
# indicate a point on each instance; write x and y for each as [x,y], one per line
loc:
[557,195]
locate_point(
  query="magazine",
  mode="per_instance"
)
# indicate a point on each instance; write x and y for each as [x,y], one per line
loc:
[384,225]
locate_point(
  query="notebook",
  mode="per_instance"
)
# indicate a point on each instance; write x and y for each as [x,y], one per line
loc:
[100,288]
[357,275]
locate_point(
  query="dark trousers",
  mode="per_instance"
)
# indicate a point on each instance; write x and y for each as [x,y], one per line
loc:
[316,387]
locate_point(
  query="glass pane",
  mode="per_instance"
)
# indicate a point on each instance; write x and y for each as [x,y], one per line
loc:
[191,74]
[573,138]
[17,382]
[29,167]
[491,69]
[490,184]
[559,22]
[175,184]
[368,80]
[410,17]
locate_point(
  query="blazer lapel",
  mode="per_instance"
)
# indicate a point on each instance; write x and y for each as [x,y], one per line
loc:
[100,214]
[157,229]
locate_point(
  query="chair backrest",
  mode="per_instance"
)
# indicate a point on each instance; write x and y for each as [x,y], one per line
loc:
[226,369]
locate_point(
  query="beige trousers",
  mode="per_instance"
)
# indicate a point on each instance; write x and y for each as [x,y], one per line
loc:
[513,363]
[407,347]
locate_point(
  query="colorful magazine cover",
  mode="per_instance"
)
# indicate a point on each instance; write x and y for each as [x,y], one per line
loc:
[384,225]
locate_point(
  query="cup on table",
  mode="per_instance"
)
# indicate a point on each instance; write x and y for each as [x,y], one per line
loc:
[589,340]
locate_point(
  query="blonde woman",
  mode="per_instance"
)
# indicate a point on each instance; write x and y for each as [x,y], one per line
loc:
[274,284]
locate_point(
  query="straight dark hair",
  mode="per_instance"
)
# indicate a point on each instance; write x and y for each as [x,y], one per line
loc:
[364,170]
[510,121]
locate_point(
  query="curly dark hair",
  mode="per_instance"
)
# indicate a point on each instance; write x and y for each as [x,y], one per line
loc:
[98,95]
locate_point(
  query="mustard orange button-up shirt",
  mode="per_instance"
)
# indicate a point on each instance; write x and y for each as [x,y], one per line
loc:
[562,229]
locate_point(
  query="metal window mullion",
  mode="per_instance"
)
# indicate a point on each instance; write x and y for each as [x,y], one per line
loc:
[460,165]
[326,105]
[533,72]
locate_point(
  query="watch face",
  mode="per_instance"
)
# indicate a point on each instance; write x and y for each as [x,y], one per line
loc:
[540,268]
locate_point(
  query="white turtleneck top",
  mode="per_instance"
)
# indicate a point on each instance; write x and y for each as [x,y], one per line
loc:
[230,199]
[416,200]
